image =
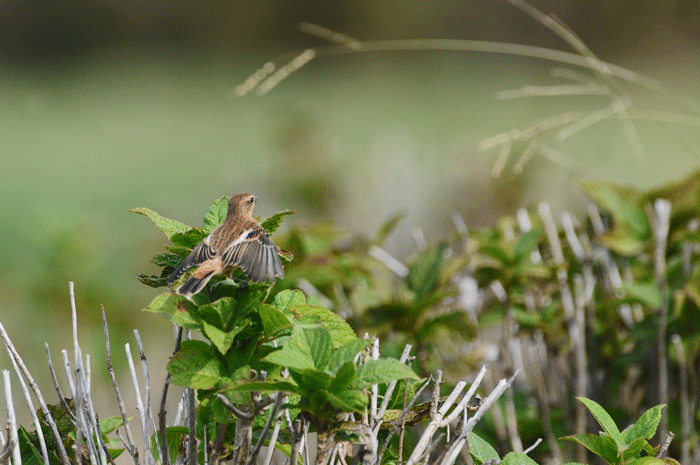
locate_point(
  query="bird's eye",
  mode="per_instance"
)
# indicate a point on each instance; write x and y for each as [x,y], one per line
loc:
[251,200]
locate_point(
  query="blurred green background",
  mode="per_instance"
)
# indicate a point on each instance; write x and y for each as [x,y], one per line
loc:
[106,106]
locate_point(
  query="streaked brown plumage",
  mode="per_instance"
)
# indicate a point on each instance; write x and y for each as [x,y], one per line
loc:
[238,242]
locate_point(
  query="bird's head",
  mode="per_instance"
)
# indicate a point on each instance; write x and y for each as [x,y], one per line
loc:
[241,204]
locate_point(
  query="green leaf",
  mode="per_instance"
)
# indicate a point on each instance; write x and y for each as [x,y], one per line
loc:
[517,458]
[166,225]
[216,214]
[284,386]
[623,243]
[604,446]
[272,223]
[343,378]
[346,352]
[633,449]
[176,309]
[645,293]
[653,461]
[388,226]
[249,298]
[381,371]
[346,401]
[458,322]
[645,427]
[603,418]
[621,202]
[273,320]
[480,450]
[319,340]
[30,454]
[349,400]
[295,354]
[179,251]
[341,331]
[153,281]
[424,272]
[107,425]
[196,366]
[167,259]
[313,380]
[287,299]
[221,339]
[189,238]
[527,243]
[174,436]
[219,313]
[497,252]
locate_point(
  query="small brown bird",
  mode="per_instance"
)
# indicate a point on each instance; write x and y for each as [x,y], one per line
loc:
[237,242]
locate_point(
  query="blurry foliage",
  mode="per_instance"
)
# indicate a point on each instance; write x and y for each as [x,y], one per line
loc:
[456,293]
[429,307]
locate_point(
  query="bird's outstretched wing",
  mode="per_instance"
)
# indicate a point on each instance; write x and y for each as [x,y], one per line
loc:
[256,255]
[201,253]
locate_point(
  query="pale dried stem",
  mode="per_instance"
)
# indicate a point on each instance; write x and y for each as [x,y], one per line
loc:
[22,373]
[377,419]
[13,439]
[162,426]
[57,386]
[660,217]
[686,422]
[400,421]
[129,442]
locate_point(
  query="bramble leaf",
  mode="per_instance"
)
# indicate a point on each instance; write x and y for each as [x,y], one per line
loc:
[645,427]
[216,214]
[273,320]
[603,418]
[287,299]
[166,225]
[346,352]
[272,223]
[176,309]
[196,366]
[381,371]
[424,272]
[480,450]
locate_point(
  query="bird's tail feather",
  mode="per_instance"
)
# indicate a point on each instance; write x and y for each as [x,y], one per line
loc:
[194,285]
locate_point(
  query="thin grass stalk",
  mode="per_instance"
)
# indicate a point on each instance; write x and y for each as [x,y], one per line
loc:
[435,421]
[37,393]
[660,217]
[375,387]
[376,421]
[297,438]
[93,424]
[78,376]
[465,399]
[686,415]
[266,428]
[162,426]
[575,319]
[129,444]
[27,397]
[400,421]
[274,435]
[68,372]
[305,444]
[191,420]
[469,424]
[81,406]
[139,404]
[147,396]
[57,386]
[11,418]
